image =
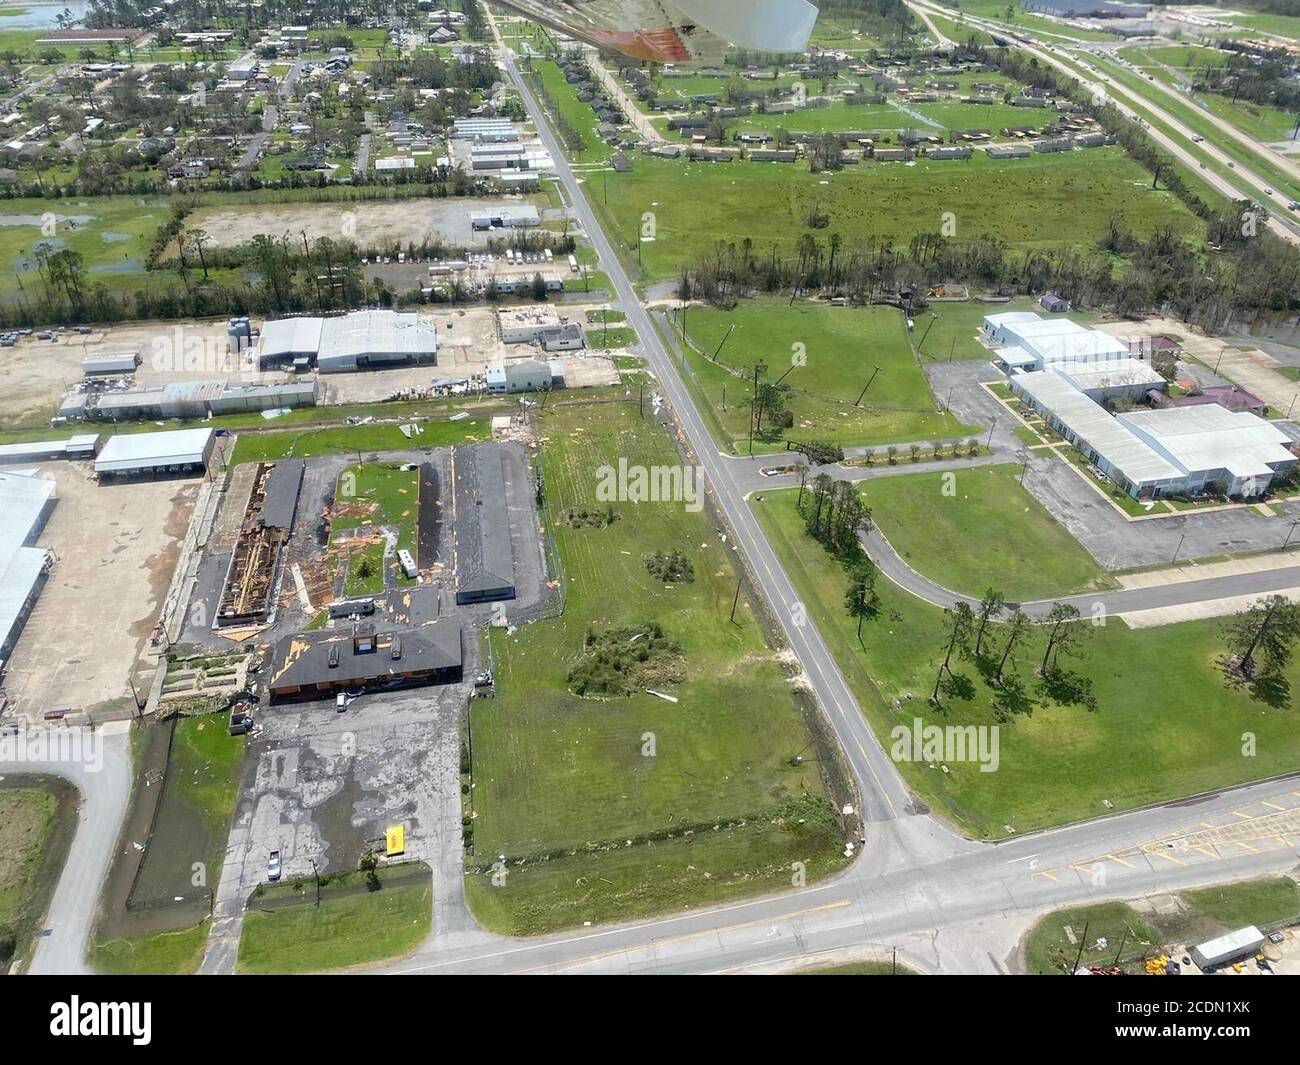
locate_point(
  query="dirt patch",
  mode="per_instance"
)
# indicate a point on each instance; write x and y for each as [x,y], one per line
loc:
[115,547]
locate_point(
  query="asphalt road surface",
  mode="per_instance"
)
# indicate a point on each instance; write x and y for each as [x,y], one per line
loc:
[104,781]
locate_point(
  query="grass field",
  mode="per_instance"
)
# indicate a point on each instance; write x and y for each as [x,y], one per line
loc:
[112,233]
[301,443]
[579,115]
[989,533]
[284,932]
[1167,724]
[1020,201]
[1201,915]
[28,818]
[831,353]
[722,806]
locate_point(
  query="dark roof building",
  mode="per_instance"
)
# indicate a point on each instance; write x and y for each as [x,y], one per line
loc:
[315,665]
[485,556]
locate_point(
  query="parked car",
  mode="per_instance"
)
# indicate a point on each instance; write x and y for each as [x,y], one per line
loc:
[273,866]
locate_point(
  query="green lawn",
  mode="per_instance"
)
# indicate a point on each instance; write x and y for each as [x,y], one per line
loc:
[1020,201]
[722,806]
[1167,723]
[1049,950]
[831,354]
[989,532]
[301,443]
[351,926]
[160,954]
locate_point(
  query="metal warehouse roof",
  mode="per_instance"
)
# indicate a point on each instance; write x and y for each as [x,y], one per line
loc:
[1210,437]
[376,332]
[1121,448]
[1113,374]
[22,504]
[290,336]
[131,451]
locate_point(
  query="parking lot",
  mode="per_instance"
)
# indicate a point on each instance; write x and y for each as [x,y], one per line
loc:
[116,547]
[320,786]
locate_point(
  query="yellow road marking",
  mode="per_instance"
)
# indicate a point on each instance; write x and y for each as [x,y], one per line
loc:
[1273,805]
[1247,846]
[1170,857]
[1117,858]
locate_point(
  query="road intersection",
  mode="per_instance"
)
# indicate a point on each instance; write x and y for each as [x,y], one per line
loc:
[913,869]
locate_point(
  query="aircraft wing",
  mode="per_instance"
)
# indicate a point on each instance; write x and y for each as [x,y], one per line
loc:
[677,31]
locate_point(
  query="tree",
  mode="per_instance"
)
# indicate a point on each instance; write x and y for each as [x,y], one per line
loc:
[860,599]
[959,620]
[1018,626]
[1063,633]
[1264,634]
[991,605]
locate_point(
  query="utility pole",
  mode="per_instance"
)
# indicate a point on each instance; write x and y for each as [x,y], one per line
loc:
[1082,940]
[316,870]
[858,401]
[1178,548]
[1289,532]
[736,600]
[921,343]
[989,441]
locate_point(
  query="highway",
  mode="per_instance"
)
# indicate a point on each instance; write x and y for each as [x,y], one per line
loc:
[947,902]
[1280,219]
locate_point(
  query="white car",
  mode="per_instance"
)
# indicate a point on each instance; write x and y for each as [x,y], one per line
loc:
[273,866]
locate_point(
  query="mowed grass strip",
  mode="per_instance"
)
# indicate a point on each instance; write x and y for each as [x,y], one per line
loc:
[285,932]
[569,778]
[831,354]
[302,443]
[974,529]
[160,954]
[1167,724]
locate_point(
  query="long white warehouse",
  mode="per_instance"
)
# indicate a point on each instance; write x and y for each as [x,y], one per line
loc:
[1176,451]
[358,341]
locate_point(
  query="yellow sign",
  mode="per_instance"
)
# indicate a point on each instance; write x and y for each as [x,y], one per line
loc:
[395,838]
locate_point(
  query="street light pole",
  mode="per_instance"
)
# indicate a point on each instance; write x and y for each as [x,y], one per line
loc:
[1178,548]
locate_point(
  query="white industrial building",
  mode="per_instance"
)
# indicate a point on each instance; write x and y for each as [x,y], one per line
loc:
[1235,451]
[1026,342]
[506,216]
[541,325]
[137,454]
[357,341]
[25,505]
[1176,451]
[523,375]
[1106,380]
